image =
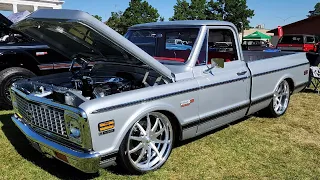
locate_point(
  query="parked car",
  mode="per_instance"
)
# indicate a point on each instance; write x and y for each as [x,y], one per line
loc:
[130,108]
[298,42]
[255,45]
[22,57]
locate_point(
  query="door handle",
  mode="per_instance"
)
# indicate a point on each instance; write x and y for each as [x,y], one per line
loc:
[241,73]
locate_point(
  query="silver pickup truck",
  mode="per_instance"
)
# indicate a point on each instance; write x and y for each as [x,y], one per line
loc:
[142,95]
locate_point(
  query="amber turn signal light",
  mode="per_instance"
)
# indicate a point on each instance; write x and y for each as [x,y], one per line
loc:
[103,126]
[62,157]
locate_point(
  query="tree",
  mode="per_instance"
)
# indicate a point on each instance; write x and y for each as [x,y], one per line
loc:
[115,22]
[316,10]
[198,9]
[213,10]
[181,11]
[138,12]
[235,11]
[98,17]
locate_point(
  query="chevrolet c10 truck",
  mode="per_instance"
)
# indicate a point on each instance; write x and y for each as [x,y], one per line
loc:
[141,97]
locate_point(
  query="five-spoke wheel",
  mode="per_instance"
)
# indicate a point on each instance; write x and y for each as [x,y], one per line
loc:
[148,144]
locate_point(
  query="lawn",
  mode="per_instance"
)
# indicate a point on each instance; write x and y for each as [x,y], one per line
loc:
[254,148]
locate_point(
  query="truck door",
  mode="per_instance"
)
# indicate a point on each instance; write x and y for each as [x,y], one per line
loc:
[224,92]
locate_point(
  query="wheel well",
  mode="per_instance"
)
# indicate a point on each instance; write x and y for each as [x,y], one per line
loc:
[291,84]
[173,119]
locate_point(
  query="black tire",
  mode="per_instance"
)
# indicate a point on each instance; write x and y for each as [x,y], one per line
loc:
[7,77]
[123,159]
[270,110]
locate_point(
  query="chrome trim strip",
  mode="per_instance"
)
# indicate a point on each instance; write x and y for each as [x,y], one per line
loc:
[86,162]
[25,47]
[277,70]
[215,116]
[262,99]
[224,82]
[224,113]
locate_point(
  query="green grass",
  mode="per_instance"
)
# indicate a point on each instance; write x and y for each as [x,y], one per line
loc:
[255,148]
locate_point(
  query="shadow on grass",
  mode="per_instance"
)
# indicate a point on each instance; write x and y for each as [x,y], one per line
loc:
[312,91]
[22,146]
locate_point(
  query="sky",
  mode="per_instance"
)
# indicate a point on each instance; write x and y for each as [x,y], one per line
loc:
[271,13]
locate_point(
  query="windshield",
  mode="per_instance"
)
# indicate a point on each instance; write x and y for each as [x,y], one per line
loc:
[165,45]
[291,39]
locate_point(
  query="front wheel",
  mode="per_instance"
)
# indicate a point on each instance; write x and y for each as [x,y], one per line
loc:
[147,145]
[280,101]
[7,77]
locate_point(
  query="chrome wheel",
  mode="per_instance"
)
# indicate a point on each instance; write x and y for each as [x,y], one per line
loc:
[281,98]
[150,142]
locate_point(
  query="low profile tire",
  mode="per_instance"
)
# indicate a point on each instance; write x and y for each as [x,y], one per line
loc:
[7,77]
[280,101]
[147,145]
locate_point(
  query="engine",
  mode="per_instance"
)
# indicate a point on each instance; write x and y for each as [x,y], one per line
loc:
[77,86]
[98,87]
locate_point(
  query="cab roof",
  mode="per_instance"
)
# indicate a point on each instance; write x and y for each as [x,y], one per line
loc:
[183,23]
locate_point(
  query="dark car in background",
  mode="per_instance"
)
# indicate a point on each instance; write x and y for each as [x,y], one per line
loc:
[254,45]
[298,42]
[22,57]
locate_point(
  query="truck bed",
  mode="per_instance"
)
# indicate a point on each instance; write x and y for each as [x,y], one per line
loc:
[259,55]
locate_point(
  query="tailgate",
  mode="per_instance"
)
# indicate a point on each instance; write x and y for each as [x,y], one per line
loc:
[290,47]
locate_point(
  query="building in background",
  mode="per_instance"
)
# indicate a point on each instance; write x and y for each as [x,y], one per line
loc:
[309,26]
[29,5]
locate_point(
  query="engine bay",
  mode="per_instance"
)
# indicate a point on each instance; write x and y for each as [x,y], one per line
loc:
[88,83]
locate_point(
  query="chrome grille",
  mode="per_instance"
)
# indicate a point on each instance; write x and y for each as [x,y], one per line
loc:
[46,117]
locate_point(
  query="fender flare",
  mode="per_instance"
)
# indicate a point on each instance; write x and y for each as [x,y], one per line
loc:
[285,76]
[140,113]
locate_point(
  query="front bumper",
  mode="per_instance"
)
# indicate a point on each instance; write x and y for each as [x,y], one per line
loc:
[88,162]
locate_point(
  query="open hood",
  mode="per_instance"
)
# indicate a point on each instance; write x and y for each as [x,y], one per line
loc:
[16,17]
[5,22]
[74,33]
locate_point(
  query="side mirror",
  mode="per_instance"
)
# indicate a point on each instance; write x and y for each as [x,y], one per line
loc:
[215,62]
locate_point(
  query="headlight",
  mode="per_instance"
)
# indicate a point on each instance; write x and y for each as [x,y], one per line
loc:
[73,126]
[77,127]
[75,132]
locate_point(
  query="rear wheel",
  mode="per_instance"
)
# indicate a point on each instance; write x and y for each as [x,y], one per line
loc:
[147,145]
[280,101]
[7,77]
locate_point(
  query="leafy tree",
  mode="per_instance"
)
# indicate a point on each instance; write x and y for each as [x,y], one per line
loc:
[316,10]
[235,11]
[98,17]
[181,11]
[115,22]
[198,9]
[213,10]
[138,12]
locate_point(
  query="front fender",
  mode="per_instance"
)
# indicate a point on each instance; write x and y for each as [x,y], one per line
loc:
[124,119]
[140,113]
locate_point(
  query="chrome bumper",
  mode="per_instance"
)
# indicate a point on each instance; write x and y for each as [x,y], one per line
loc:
[86,162]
